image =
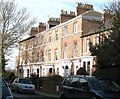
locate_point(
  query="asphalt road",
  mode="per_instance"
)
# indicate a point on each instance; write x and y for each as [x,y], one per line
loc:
[31,96]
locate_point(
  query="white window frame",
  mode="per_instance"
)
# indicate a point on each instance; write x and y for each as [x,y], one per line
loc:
[50,38]
[56,36]
[42,39]
[75,45]
[97,39]
[56,54]
[75,27]
[28,72]
[65,51]
[65,30]
[49,55]
[87,45]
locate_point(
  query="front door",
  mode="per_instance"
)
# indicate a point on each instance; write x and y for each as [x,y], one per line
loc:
[86,66]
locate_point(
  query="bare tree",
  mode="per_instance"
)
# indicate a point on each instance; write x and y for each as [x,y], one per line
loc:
[14,23]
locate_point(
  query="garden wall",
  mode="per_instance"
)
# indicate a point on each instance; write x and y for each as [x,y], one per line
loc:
[51,87]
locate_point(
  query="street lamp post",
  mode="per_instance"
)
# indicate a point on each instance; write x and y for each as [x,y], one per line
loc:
[0,54]
[0,61]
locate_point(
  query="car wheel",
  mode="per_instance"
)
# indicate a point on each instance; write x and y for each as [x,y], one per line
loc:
[33,93]
[17,90]
[12,89]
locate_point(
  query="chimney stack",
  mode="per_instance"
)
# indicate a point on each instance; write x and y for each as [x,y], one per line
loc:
[53,22]
[65,16]
[33,31]
[41,27]
[106,14]
[81,8]
[107,18]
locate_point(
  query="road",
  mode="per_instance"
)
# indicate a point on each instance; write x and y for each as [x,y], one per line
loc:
[31,96]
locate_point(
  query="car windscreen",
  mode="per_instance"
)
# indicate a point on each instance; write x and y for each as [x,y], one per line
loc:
[25,81]
[104,85]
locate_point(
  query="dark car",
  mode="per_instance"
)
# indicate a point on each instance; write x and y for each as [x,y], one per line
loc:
[23,85]
[6,92]
[85,87]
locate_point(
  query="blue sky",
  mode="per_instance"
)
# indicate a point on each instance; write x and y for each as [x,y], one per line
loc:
[43,9]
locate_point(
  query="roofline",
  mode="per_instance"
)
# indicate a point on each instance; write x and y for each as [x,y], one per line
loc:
[77,17]
[27,38]
[98,32]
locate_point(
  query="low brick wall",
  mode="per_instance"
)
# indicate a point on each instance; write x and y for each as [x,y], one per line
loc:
[48,84]
[51,87]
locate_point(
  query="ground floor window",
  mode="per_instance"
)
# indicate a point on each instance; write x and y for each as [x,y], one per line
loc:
[50,70]
[38,72]
[20,70]
[28,72]
[44,72]
[58,71]
[86,66]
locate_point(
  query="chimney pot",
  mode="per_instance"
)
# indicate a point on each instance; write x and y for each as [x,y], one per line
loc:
[81,8]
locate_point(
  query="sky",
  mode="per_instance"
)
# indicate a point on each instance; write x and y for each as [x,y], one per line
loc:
[43,9]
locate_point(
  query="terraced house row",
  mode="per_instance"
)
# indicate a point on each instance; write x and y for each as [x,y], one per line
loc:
[61,46]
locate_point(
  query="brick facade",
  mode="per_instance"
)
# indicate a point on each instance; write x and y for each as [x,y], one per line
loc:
[61,49]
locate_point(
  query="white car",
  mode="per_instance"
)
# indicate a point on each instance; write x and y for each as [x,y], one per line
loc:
[23,85]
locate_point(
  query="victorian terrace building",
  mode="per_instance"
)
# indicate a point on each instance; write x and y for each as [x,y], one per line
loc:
[62,46]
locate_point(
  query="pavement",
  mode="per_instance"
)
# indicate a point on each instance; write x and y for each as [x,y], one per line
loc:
[47,94]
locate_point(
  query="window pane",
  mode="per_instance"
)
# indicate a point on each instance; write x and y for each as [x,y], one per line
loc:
[75,82]
[83,83]
[56,37]
[75,28]
[66,81]
[75,48]
[49,55]
[24,81]
[65,30]
[56,54]
[65,51]
[50,70]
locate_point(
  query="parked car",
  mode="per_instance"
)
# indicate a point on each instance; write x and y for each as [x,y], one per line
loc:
[85,87]
[23,85]
[6,92]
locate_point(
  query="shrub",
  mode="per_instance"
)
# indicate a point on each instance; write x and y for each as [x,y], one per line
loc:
[112,73]
[56,78]
[82,71]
